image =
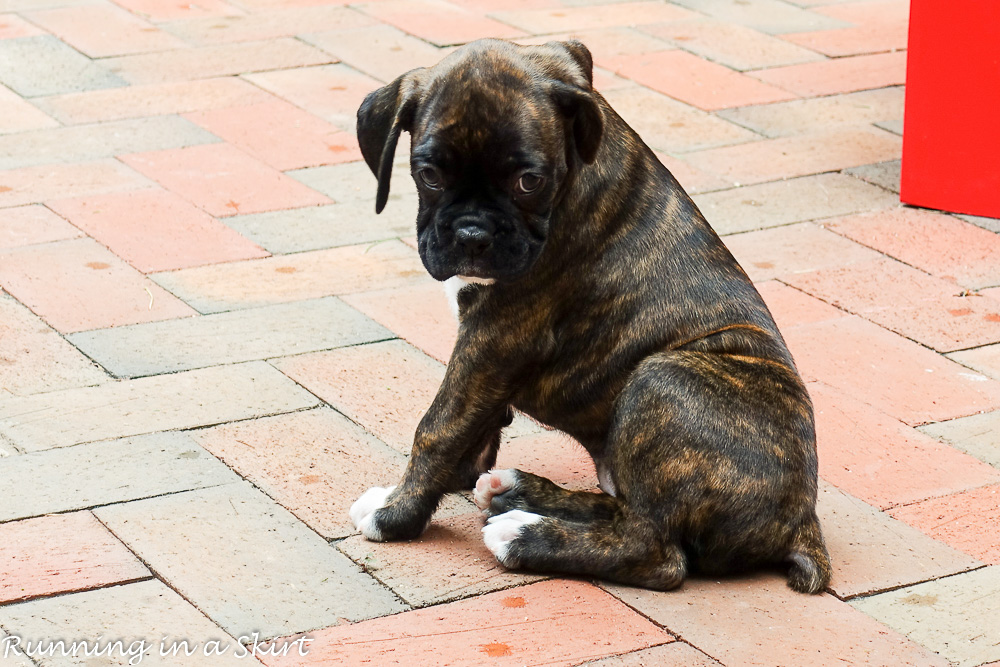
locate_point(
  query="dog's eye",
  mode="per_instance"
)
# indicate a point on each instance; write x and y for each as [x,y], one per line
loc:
[430,177]
[529,183]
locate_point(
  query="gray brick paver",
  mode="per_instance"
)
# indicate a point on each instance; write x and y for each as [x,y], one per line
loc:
[45,65]
[134,407]
[247,562]
[100,473]
[226,338]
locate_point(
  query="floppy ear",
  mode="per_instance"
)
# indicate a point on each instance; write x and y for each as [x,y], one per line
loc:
[381,117]
[584,115]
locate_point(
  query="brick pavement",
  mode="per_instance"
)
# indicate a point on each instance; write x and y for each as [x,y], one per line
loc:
[210,345]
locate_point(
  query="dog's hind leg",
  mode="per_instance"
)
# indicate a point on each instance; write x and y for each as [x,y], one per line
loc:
[621,549]
[538,525]
[500,491]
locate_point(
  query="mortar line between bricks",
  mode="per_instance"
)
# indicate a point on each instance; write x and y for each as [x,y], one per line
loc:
[892,331]
[188,428]
[29,659]
[863,596]
[277,502]
[195,204]
[321,404]
[267,495]
[324,403]
[91,508]
[289,68]
[604,587]
[364,570]
[293,253]
[86,235]
[338,61]
[715,114]
[969,349]
[242,77]
[271,255]
[628,653]
[598,656]
[340,347]
[912,266]
[809,10]
[818,96]
[208,365]
[59,594]
[735,188]
[163,580]
[18,450]
[967,489]
[700,650]
[815,221]
[679,154]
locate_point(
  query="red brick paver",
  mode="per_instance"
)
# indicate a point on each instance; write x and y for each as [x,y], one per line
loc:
[210,346]
[104,30]
[879,26]
[942,245]
[28,225]
[150,100]
[155,230]
[69,552]
[930,310]
[766,624]
[78,284]
[690,79]
[236,183]
[883,461]
[548,623]
[438,22]
[419,314]
[968,521]
[842,75]
[775,159]
[280,134]
[902,378]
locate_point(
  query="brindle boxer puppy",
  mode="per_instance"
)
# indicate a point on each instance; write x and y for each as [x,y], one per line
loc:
[595,298]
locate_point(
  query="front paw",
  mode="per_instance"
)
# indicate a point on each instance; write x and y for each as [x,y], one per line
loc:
[363,512]
[502,532]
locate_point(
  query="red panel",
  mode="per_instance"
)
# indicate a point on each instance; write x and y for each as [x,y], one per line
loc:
[951,133]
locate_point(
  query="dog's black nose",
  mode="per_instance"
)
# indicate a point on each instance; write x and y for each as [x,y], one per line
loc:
[473,238]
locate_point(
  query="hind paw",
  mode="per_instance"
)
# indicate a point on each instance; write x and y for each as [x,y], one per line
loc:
[492,484]
[503,530]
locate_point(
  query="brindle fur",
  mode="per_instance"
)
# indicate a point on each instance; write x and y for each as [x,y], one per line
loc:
[618,316]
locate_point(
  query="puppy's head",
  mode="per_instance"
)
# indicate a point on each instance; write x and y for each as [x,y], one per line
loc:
[496,129]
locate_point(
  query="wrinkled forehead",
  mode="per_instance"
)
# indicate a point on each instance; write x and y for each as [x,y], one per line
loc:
[483,102]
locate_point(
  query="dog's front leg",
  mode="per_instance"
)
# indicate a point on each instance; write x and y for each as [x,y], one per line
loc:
[455,441]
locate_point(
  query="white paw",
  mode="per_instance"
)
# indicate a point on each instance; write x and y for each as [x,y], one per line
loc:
[501,530]
[364,508]
[490,484]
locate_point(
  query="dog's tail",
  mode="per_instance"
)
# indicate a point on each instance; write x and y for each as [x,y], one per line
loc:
[809,570]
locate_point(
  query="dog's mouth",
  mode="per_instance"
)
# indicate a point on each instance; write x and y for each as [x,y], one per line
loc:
[476,253]
[477,271]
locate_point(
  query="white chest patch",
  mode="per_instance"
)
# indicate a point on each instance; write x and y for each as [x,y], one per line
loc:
[454,285]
